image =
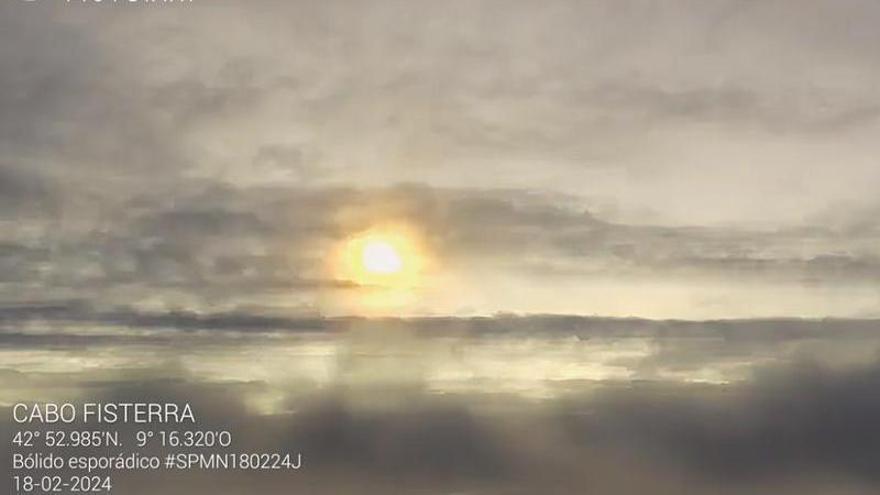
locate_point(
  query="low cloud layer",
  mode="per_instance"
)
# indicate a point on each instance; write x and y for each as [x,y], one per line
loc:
[798,425]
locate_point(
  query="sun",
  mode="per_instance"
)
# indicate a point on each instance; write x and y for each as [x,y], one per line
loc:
[382,257]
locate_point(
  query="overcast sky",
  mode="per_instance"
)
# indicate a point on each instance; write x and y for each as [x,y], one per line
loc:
[177,183]
[691,159]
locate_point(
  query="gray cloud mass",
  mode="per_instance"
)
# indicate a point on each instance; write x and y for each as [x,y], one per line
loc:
[702,141]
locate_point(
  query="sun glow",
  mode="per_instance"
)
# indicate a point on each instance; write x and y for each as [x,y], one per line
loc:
[385,258]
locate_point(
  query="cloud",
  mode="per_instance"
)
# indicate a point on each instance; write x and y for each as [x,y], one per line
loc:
[143,151]
[24,195]
[791,421]
[213,244]
[412,92]
[799,429]
[786,112]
